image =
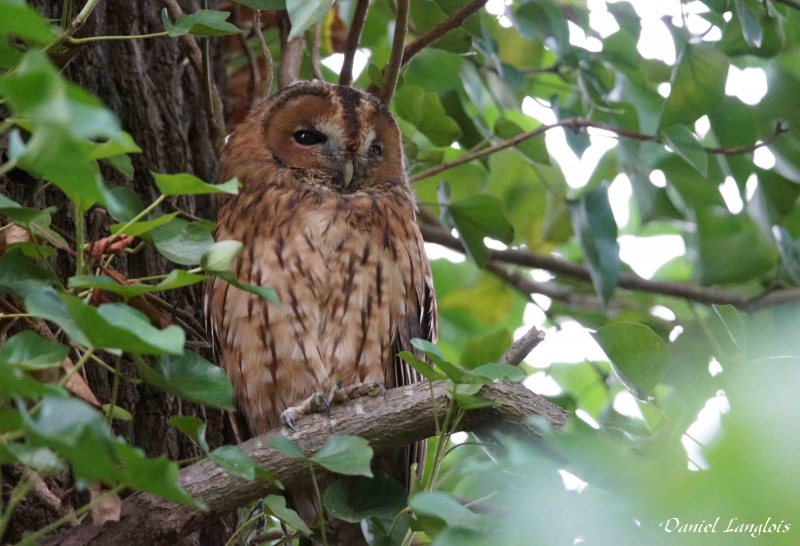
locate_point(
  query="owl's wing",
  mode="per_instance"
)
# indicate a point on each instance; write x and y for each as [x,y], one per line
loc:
[420,322]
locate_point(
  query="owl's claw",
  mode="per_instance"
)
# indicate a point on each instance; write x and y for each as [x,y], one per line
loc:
[316,403]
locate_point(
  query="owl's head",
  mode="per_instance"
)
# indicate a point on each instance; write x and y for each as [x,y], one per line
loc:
[330,134]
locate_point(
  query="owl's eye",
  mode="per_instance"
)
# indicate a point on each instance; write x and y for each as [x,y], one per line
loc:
[309,138]
[375,150]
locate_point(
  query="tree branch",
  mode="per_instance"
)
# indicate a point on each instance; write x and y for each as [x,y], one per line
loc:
[576,123]
[262,43]
[291,53]
[522,347]
[403,416]
[436,32]
[216,121]
[391,72]
[316,68]
[353,39]
[700,294]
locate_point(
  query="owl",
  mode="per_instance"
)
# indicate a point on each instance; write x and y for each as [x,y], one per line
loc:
[326,217]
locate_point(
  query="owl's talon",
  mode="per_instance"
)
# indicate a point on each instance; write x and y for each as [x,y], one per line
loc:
[288,421]
[316,403]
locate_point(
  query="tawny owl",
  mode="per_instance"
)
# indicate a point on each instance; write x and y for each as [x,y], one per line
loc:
[327,219]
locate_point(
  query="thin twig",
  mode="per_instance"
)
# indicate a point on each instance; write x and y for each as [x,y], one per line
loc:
[353,39]
[522,347]
[576,123]
[316,44]
[264,51]
[436,32]
[691,292]
[392,71]
[255,77]
[291,53]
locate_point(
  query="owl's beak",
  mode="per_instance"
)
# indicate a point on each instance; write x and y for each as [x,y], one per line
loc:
[347,173]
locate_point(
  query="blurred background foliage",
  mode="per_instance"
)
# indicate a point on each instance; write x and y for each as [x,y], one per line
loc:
[687,412]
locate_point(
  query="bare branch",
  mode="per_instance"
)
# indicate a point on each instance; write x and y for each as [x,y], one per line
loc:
[353,39]
[391,72]
[262,43]
[316,68]
[692,292]
[255,77]
[436,32]
[291,53]
[522,347]
[403,416]
[575,124]
[216,120]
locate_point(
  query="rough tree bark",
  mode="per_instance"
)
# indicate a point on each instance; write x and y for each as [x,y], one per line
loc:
[404,416]
[153,90]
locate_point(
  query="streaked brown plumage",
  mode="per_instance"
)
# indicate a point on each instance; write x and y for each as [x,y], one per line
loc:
[330,226]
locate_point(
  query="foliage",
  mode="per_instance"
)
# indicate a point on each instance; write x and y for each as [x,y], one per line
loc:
[462,97]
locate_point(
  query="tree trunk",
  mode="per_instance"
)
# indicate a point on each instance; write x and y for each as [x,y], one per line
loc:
[154,91]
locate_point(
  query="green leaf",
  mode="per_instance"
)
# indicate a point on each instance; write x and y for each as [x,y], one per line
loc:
[286,447]
[203,23]
[698,85]
[276,505]
[46,304]
[20,276]
[481,350]
[40,459]
[638,356]
[182,242]
[424,110]
[17,213]
[593,222]
[178,278]
[140,228]
[263,292]
[443,506]
[469,402]
[499,372]
[532,148]
[235,461]
[751,29]
[381,497]
[789,251]
[347,455]
[190,377]
[428,349]
[735,325]
[117,412]
[30,351]
[192,427]
[681,139]
[23,22]
[123,204]
[186,184]
[263,4]
[118,326]
[218,257]
[157,476]
[425,14]
[480,216]
[305,13]
[424,369]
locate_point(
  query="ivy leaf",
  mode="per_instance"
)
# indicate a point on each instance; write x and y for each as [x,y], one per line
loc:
[532,148]
[218,257]
[698,85]
[263,4]
[276,505]
[347,455]
[499,372]
[30,351]
[178,278]
[235,461]
[137,229]
[22,21]
[593,222]
[203,23]
[424,369]
[681,139]
[443,506]
[192,427]
[286,447]
[751,28]
[638,356]
[428,349]
[381,497]
[305,13]
[157,476]
[424,110]
[182,242]
[190,377]
[17,213]
[480,216]
[117,412]
[186,184]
